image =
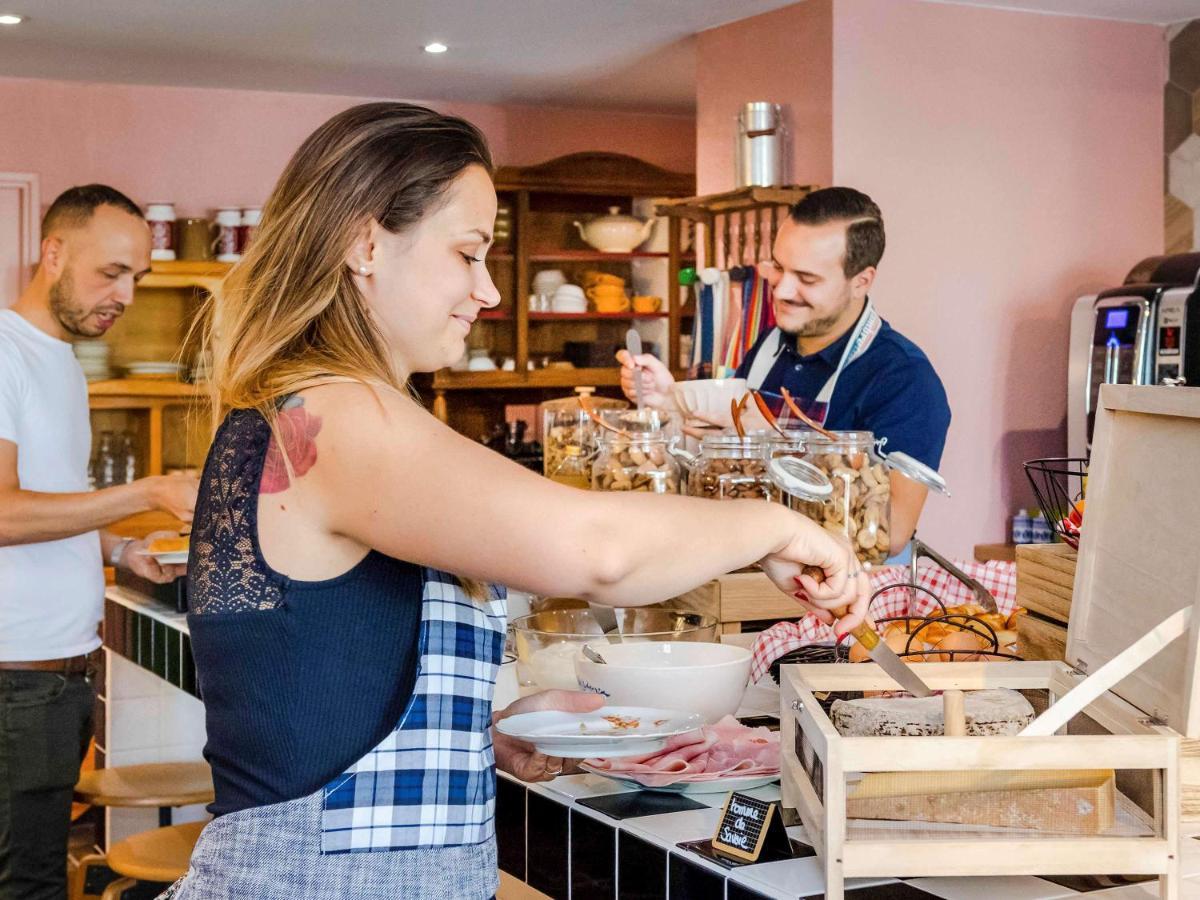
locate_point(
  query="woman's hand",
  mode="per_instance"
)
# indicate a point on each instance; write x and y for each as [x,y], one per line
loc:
[520,759]
[820,570]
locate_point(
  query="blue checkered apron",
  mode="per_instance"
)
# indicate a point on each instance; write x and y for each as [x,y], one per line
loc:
[431,782]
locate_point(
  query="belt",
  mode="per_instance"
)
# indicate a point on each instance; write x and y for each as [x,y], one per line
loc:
[75,665]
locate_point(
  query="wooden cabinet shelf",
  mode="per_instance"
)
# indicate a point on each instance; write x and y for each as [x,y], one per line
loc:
[544,202]
[593,256]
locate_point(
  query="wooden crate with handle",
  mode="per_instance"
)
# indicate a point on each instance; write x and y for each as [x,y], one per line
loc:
[1131,673]
[1045,584]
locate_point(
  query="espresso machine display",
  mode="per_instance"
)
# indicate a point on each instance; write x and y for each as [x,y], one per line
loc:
[1145,332]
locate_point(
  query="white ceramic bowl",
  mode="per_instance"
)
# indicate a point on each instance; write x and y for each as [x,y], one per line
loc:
[708,679]
[708,395]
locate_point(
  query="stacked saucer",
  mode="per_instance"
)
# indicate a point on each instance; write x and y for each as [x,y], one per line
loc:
[93,359]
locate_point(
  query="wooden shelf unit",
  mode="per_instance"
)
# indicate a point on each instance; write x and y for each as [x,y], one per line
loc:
[758,212]
[545,200]
[168,420]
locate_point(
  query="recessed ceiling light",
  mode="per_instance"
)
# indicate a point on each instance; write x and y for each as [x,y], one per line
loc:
[11,20]
[436,47]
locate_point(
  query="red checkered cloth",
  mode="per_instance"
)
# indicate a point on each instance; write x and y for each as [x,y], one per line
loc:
[1000,578]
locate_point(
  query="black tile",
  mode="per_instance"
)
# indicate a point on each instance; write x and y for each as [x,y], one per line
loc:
[174,665]
[99,716]
[737,892]
[641,869]
[510,826]
[547,831]
[800,850]
[187,675]
[1085,884]
[694,881]
[100,666]
[593,858]
[895,890]
[145,643]
[632,804]
[158,660]
[131,636]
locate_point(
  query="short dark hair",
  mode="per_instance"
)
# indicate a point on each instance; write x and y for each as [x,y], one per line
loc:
[865,239]
[74,207]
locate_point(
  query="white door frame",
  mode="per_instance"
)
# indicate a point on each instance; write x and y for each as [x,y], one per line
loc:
[26,186]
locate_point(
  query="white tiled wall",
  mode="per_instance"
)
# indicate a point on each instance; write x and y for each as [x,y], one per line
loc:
[148,721]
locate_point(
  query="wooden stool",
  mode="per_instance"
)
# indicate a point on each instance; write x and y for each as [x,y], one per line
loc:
[164,785]
[159,855]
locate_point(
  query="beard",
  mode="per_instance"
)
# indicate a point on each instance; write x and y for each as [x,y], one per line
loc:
[823,326]
[71,314]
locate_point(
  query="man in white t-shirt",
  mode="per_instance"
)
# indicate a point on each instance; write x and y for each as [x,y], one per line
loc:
[95,247]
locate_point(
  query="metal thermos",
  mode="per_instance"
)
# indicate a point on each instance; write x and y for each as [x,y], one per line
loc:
[760,145]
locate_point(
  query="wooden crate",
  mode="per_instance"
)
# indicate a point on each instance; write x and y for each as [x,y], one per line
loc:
[1046,579]
[737,599]
[1136,567]
[1045,584]
[816,761]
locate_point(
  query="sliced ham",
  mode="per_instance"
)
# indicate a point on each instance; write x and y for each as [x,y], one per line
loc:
[715,751]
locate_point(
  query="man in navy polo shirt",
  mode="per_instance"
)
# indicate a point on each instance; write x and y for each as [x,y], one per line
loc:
[843,364]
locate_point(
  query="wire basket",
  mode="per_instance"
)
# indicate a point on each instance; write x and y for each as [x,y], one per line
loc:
[1059,484]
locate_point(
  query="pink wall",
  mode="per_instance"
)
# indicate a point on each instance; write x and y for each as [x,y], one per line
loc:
[784,56]
[1018,161]
[204,148]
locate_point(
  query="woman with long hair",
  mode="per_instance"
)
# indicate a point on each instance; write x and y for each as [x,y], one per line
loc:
[345,632]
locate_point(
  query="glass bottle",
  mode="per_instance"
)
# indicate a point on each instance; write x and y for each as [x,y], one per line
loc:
[128,462]
[104,465]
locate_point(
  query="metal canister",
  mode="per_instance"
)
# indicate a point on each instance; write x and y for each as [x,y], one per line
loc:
[760,145]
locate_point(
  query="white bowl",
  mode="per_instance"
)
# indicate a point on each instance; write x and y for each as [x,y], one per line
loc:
[708,395]
[708,679]
[568,305]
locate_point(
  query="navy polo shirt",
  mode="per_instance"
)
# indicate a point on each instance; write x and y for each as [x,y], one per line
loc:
[891,390]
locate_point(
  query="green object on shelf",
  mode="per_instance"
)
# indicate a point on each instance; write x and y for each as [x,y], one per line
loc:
[687,276]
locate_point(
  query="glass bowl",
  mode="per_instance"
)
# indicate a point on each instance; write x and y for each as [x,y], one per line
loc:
[547,642]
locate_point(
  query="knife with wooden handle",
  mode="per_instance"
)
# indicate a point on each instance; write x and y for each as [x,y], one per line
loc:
[879,652]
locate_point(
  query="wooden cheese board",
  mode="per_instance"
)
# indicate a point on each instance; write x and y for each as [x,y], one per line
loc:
[1135,609]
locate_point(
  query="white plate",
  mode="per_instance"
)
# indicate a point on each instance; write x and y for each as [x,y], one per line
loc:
[154,368]
[582,735]
[713,786]
[170,558]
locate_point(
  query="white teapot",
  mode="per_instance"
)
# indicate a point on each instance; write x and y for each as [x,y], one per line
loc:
[615,233]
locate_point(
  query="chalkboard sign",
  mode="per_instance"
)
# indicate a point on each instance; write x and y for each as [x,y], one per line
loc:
[746,825]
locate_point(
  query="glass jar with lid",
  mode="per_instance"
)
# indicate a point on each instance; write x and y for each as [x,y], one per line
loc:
[572,468]
[565,425]
[860,505]
[640,462]
[729,467]
[790,443]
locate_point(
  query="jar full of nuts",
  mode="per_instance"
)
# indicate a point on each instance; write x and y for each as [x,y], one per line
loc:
[640,462]
[565,425]
[729,467]
[860,506]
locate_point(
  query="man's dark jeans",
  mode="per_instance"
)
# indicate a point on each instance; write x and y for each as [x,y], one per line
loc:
[45,723]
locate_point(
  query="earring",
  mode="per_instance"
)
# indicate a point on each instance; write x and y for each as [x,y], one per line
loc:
[362,270]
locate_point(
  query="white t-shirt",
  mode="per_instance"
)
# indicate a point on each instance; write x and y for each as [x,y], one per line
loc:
[52,593]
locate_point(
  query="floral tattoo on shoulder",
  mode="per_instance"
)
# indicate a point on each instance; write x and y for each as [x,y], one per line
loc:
[295,436]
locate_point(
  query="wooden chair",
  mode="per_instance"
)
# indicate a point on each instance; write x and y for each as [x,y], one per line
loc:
[161,785]
[159,855]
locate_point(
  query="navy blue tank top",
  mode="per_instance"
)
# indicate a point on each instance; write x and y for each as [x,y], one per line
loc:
[299,678]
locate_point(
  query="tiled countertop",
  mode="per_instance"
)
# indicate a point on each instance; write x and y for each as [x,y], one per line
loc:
[549,837]
[150,635]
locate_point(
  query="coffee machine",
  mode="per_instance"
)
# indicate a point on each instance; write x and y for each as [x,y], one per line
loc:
[1145,332]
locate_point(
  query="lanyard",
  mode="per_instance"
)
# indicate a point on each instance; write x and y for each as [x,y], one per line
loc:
[864,334]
